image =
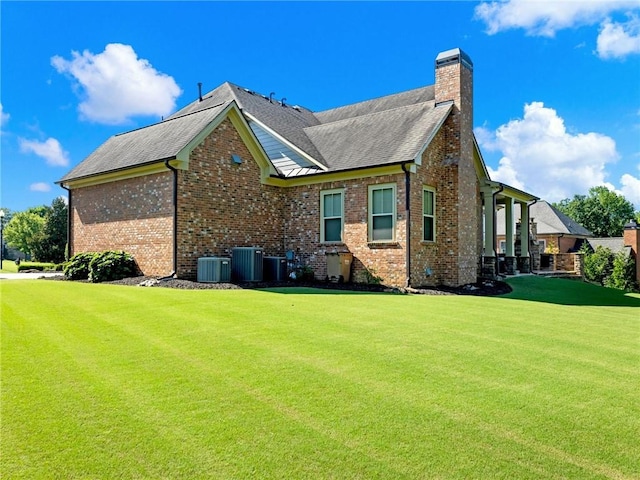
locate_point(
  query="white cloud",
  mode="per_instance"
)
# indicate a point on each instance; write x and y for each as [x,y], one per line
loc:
[4,117]
[546,17]
[617,40]
[50,150]
[117,85]
[631,189]
[40,187]
[541,157]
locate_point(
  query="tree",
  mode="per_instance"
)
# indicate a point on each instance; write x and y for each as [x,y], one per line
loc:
[22,231]
[50,243]
[602,211]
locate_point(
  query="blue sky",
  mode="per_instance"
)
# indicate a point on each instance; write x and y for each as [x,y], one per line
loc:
[556,83]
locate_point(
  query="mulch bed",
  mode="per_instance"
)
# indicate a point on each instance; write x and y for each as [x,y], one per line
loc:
[481,288]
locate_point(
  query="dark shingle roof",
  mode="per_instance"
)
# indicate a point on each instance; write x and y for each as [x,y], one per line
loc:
[146,145]
[380,138]
[389,102]
[549,220]
[376,132]
[615,244]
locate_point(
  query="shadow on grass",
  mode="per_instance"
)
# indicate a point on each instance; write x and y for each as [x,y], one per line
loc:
[319,290]
[568,292]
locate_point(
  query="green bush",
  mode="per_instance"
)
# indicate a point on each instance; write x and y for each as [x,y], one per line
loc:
[108,266]
[78,266]
[22,267]
[623,273]
[598,265]
[100,266]
[40,266]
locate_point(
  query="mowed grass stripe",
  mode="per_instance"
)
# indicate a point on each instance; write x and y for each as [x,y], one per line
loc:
[273,384]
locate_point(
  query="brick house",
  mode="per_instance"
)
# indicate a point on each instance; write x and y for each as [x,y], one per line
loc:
[397,181]
[553,229]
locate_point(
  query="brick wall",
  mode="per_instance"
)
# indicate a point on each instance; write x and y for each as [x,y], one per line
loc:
[222,204]
[302,230]
[134,215]
[460,222]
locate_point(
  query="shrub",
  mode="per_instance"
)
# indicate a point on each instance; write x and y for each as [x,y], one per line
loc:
[598,265]
[109,265]
[40,266]
[78,266]
[623,273]
[24,267]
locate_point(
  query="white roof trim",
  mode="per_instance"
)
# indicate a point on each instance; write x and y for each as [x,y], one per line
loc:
[281,139]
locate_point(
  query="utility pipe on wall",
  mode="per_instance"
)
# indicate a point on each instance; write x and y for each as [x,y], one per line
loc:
[407,213]
[175,217]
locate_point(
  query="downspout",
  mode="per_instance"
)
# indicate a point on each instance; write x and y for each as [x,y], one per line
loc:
[529,205]
[69,207]
[407,210]
[175,217]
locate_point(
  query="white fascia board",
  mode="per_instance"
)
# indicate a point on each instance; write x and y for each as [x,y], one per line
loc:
[448,105]
[477,147]
[281,139]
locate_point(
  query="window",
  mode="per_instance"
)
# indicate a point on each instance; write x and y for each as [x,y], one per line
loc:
[382,213]
[331,208]
[428,215]
[503,246]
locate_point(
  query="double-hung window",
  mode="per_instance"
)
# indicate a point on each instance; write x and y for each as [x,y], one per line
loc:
[331,214]
[382,213]
[428,214]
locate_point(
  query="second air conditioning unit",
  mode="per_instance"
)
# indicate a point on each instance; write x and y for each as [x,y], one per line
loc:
[246,264]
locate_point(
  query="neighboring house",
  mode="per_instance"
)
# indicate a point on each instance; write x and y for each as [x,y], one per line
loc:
[553,229]
[628,244]
[397,181]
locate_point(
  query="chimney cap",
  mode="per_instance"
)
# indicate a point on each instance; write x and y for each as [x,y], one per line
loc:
[455,55]
[632,225]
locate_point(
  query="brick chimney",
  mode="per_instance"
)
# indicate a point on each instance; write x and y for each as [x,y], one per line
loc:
[454,82]
[631,239]
[458,187]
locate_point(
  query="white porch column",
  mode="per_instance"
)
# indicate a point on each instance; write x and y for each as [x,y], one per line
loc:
[508,214]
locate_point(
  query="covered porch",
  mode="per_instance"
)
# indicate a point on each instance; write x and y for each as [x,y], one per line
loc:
[517,253]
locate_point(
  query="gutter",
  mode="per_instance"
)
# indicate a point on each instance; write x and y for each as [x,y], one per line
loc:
[175,218]
[407,209]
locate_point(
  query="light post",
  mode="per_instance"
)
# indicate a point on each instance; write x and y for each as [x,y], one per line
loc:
[1,238]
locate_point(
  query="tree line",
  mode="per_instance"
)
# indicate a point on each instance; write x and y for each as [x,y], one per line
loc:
[40,232]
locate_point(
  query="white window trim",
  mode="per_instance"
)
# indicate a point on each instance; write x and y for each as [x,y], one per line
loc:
[323,193]
[393,213]
[435,229]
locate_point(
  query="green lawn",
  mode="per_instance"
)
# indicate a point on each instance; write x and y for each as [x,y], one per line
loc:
[103,381]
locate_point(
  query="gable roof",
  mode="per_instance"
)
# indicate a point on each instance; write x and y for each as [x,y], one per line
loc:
[152,144]
[384,131]
[549,220]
